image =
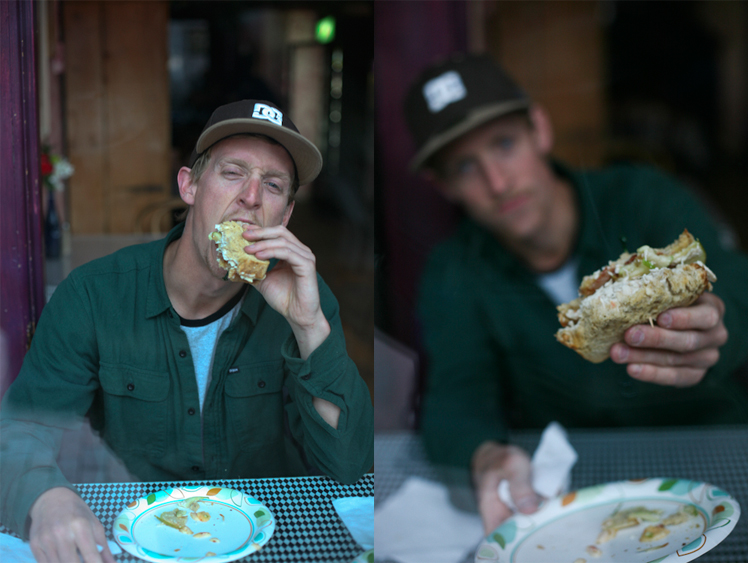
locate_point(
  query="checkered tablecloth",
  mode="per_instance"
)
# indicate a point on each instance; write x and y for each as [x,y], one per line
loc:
[713,455]
[308,530]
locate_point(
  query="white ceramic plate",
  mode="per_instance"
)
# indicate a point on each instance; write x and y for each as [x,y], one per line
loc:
[237,525]
[565,527]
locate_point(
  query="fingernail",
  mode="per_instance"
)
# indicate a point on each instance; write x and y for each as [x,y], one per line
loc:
[622,353]
[665,320]
[637,336]
[635,369]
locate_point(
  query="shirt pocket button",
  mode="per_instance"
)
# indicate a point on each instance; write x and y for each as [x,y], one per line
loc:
[182,353]
[261,384]
[131,387]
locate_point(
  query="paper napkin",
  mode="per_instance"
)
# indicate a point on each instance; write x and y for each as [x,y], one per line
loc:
[419,524]
[14,550]
[357,513]
[552,463]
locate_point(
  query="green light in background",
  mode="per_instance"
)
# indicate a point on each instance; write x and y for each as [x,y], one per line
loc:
[325,31]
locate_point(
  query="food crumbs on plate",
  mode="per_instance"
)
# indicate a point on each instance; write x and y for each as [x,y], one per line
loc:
[540,546]
[201,535]
[653,548]
[185,530]
[594,551]
[654,533]
[210,554]
[215,540]
[580,560]
[200,516]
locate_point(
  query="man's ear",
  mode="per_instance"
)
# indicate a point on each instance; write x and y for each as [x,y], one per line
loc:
[287,213]
[186,185]
[542,128]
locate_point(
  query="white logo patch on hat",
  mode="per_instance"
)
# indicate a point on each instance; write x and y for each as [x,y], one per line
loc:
[444,90]
[267,113]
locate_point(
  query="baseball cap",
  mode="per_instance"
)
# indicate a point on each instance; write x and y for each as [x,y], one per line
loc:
[455,96]
[259,116]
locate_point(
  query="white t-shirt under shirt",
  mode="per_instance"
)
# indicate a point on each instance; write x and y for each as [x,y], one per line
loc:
[562,285]
[203,335]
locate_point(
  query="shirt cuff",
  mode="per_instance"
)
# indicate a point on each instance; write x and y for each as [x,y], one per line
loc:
[323,366]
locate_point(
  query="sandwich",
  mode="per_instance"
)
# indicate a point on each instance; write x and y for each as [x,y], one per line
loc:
[632,290]
[239,266]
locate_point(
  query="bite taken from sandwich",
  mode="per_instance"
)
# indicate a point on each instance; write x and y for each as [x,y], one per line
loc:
[632,290]
[231,256]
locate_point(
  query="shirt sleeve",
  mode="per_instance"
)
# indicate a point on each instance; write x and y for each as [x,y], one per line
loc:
[344,453]
[50,395]
[462,404]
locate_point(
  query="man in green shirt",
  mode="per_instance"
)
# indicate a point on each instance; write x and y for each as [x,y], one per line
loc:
[532,229]
[184,374]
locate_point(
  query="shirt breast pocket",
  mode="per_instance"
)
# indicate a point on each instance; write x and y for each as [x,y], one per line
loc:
[254,403]
[136,409]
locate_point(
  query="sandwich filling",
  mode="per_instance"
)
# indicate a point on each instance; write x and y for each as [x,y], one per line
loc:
[231,256]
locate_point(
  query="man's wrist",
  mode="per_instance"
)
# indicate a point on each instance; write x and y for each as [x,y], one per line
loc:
[310,337]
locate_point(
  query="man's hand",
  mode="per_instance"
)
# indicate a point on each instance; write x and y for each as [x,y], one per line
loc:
[680,349]
[291,286]
[493,462]
[63,526]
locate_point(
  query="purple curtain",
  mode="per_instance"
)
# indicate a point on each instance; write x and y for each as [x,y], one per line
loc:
[411,216]
[21,257]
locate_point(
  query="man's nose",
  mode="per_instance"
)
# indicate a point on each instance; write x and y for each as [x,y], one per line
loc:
[497,178]
[251,194]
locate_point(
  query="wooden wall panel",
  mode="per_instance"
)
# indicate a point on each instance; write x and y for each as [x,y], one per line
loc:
[117,100]
[556,51]
[137,110]
[84,100]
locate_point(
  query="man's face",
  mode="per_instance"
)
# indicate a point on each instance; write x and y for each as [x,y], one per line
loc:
[246,179]
[500,175]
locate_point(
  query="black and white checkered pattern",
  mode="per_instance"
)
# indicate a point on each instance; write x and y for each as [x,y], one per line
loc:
[308,530]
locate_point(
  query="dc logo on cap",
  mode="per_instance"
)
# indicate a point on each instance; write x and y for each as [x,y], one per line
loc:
[444,90]
[267,113]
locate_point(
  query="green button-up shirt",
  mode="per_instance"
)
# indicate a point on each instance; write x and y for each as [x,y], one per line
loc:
[109,346]
[488,328]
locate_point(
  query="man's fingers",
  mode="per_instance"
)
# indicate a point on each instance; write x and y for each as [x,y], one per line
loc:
[493,512]
[704,314]
[676,377]
[101,539]
[643,336]
[623,354]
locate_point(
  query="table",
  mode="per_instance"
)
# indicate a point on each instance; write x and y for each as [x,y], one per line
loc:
[716,455]
[308,529]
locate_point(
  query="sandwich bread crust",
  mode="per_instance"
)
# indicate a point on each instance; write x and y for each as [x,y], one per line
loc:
[240,266]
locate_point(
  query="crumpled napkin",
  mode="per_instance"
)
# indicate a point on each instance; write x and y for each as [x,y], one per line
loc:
[552,463]
[15,550]
[419,524]
[357,513]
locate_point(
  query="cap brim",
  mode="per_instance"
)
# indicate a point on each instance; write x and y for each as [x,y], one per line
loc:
[306,156]
[474,119]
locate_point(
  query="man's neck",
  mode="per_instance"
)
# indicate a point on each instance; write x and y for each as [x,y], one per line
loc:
[549,248]
[193,291]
